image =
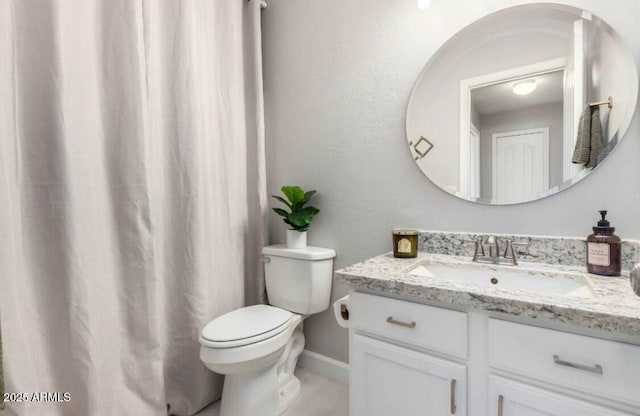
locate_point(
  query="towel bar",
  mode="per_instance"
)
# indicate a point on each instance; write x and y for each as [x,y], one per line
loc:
[609,102]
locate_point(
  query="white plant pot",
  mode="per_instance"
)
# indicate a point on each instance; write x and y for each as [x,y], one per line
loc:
[296,239]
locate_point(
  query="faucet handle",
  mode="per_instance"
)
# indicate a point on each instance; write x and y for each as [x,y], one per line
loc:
[479,251]
[509,254]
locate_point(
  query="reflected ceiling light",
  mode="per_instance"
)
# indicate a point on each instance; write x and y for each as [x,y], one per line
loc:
[524,87]
[423,5]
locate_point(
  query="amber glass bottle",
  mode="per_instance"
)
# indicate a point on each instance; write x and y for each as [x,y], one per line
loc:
[604,249]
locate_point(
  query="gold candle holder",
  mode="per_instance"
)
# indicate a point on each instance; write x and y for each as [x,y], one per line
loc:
[405,243]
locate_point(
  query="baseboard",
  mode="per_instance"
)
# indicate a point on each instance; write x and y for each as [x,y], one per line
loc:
[326,366]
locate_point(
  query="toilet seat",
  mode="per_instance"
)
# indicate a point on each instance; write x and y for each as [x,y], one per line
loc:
[245,326]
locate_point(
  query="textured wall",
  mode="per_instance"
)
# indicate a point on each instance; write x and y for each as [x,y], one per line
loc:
[338,75]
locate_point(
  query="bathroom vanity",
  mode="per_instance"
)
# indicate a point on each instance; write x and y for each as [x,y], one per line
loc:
[426,340]
[443,335]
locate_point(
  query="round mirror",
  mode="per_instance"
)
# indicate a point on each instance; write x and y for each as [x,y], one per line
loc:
[521,104]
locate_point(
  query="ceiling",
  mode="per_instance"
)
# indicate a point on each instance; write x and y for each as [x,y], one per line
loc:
[499,98]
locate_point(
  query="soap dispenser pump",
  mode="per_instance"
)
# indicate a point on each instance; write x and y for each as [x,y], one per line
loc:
[604,249]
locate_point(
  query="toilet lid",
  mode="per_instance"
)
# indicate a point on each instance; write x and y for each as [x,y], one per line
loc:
[247,325]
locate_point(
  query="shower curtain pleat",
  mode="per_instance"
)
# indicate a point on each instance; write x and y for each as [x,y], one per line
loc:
[6,119]
[1,374]
[132,197]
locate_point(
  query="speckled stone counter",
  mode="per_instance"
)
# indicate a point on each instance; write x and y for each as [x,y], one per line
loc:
[614,308]
[568,251]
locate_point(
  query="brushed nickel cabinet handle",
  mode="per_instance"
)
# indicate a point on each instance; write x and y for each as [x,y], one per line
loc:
[400,323]
[596,369]
[500,404]
[453,397]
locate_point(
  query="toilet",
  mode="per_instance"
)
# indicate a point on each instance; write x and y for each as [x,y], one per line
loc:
[257,347]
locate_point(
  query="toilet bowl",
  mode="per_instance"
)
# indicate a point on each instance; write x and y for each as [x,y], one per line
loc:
[257,347]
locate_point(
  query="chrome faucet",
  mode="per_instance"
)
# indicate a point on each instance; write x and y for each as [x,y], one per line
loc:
[494,248]
[509,256]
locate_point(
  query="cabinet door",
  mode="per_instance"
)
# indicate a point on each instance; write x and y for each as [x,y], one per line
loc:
[510,398]
[390,380]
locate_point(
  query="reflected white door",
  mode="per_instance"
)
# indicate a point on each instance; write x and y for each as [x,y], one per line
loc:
[520,164]
[473,179]
[574,91]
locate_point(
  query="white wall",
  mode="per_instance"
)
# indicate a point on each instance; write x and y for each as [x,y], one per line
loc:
[337,78]
[603,57]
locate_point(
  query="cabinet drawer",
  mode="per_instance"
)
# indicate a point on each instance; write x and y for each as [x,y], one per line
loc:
[510,398]
[425,326]
[603,368]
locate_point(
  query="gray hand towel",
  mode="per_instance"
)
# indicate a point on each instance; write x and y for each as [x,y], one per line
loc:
[589,143]
[582,151]
[608,148]
[596,138]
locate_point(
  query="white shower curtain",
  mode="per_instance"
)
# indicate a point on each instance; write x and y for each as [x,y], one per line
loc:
[132,197]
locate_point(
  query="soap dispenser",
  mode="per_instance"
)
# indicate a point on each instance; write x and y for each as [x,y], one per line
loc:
[604,249]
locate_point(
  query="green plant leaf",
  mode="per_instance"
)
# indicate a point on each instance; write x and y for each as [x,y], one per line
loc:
[310,212]
[306,198]
[298,220]
[281,212]
[294,194]
[300,216]
[303,217]
[281,199]
[299,225]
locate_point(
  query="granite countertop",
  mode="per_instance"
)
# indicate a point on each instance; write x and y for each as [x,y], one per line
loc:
[615,308]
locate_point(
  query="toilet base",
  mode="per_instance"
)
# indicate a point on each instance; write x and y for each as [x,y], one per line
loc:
[269,391]
[288,393]
[259,388]
[250,394]
[288,383]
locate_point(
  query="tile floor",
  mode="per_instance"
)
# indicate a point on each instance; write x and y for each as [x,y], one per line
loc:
[319,396]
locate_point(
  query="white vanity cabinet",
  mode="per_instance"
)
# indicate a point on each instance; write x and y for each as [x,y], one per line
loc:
[392,380]
[412,359]
[592,366]
[392,371]
[510,398]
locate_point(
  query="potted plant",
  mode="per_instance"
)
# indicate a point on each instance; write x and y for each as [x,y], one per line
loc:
[299,215]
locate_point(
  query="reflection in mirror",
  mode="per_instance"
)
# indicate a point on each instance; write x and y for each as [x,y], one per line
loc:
[512,88]
[507,114]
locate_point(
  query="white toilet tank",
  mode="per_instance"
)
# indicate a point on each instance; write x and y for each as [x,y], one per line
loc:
[299,280]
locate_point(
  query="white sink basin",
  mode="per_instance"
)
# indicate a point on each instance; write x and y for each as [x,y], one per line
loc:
[557,284]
